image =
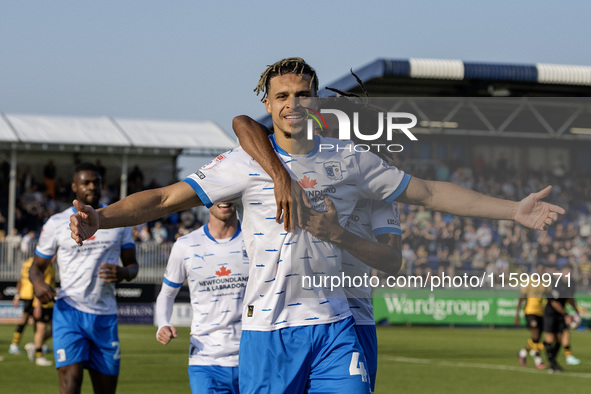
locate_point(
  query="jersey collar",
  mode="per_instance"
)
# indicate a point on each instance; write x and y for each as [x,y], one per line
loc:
[280,150]
[206,230]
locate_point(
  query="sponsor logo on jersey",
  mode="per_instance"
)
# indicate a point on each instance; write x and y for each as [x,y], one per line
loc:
[250,310]
[307,183]
[200,174]
[213,163]
[223,272]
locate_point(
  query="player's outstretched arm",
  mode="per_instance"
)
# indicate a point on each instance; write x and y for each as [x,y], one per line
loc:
[253,138]
[44,292]
[135,209]
[384,255]
[448,197]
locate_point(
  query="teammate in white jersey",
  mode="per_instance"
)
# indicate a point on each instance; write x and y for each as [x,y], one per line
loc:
[287,345]
[85,313]
[213,260]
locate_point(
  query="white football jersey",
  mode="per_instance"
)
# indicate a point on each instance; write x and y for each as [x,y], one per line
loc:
[80,285]
[368,220]
[216,272]
[286,286]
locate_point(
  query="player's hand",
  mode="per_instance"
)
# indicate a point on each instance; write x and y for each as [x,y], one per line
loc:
[534,213]
[517,321]
[568,319]
[299,204]
[84,223]
[288,195]
[166,334]
[282,190]
[112,273]
[323,225]
[44,292]
[15,301]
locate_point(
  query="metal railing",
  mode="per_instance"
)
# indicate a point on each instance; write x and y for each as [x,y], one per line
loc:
[151,256]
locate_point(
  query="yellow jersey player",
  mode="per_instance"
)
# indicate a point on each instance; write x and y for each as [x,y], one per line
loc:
[534,316]
[43,314]
[25,294]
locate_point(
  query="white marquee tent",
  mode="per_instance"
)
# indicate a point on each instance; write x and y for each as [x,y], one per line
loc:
[33,136]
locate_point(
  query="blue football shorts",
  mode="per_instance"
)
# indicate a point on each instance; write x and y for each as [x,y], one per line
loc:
[206,379]
[324,358]
[85,337]
[368,339]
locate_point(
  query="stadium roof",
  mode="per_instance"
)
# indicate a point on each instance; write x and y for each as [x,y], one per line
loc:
[435,78]
[113,135]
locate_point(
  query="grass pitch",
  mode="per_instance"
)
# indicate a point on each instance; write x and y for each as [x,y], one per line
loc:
[411,360]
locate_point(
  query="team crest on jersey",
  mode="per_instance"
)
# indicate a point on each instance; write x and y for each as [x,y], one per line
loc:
[244,254]
[333,170]
[213,163]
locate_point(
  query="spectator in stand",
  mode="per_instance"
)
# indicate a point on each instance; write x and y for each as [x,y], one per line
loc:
[27,243]
[484,235]
[135,180]
[144,233]
[159,233]
[101,169]
[49,172]
[13,245]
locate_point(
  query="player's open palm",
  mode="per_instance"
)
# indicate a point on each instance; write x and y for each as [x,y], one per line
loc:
[84,223]
[534,213]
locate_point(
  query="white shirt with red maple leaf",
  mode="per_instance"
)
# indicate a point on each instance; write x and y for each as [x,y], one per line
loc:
[278,294]
[216,272]
[80,286]
[368,220]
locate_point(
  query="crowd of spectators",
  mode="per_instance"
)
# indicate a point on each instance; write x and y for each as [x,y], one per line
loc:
[435,243]
[432,242]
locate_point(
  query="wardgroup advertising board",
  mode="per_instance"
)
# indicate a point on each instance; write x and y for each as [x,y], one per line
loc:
[412,306]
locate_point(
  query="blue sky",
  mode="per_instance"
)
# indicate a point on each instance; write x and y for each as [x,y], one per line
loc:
[190,60]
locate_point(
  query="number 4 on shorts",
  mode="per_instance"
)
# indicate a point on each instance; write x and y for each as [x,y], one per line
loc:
[354,369]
